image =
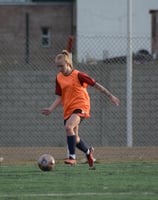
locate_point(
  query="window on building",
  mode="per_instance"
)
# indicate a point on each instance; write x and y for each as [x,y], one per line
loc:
[46,39]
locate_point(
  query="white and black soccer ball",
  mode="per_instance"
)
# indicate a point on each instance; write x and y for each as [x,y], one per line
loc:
[46,162]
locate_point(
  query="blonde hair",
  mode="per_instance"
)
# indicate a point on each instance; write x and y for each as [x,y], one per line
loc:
[64,56]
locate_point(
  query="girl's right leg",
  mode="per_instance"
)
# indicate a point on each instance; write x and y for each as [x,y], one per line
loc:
[70,125]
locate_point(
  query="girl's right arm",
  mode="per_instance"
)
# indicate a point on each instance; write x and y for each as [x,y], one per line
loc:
[55,104]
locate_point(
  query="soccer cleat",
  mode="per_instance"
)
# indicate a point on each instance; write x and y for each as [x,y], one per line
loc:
[90,157]
[70,161]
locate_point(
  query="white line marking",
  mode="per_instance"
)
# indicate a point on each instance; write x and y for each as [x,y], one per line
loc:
[77,194]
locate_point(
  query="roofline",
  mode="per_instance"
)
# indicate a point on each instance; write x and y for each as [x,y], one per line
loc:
[153,11]
[35,3]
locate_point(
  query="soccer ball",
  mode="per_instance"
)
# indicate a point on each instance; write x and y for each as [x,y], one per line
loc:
[46,162]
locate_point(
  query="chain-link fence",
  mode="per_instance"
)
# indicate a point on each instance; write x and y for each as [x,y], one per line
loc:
[27,84]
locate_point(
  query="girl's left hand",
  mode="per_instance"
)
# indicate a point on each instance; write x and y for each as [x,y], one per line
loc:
[115,100]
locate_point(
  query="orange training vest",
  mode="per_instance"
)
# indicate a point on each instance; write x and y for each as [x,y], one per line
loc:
[74,95]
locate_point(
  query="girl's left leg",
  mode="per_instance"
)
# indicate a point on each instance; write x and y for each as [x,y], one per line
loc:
[80,144]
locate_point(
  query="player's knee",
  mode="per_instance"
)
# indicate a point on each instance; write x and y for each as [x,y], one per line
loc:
[69,129]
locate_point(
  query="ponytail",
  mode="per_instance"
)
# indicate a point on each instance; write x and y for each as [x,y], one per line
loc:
[65,52]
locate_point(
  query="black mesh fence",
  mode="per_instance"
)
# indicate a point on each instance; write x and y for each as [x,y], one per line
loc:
[27,84]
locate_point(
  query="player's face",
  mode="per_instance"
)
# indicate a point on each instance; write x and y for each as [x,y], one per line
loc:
[63,68]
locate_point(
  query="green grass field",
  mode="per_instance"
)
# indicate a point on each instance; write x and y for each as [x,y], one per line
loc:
[121,181]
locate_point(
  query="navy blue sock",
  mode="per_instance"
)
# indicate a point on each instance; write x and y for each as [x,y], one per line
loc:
[71,141]
[82,146]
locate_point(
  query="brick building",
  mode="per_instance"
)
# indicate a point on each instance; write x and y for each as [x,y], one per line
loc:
[34,32]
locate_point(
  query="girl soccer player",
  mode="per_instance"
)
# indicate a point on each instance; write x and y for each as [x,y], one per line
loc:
[71,92]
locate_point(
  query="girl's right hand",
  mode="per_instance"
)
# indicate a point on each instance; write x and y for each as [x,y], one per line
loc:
[46,111]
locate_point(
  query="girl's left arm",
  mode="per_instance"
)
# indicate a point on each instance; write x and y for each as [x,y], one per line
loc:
[105,91]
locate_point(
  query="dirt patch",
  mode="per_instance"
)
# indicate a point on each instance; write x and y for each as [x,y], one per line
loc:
[15,155]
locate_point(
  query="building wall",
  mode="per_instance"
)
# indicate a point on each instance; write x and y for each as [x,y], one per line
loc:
[154,18]
[21,44]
